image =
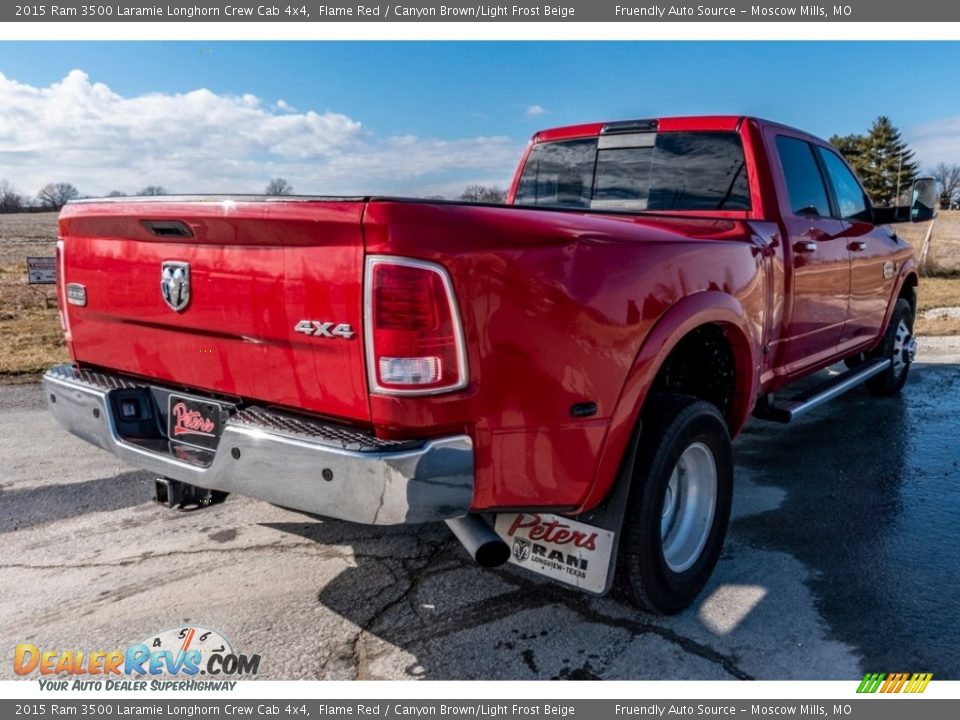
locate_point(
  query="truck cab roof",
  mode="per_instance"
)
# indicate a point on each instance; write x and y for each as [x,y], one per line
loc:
[717,123]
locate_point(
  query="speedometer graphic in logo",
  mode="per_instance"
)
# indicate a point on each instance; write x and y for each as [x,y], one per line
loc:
[180,642]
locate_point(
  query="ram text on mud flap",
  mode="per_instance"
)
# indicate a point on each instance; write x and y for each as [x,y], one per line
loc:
[559,548]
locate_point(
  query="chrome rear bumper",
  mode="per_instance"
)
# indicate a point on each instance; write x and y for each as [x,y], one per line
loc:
[299,463]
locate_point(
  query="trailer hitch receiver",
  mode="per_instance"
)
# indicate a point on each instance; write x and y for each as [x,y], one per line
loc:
[181,495]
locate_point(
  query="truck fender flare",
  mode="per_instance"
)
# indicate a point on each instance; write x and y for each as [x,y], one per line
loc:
[908,275]
[689,313]
[907,271]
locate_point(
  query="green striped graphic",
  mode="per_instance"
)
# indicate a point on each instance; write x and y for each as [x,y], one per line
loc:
[871,682]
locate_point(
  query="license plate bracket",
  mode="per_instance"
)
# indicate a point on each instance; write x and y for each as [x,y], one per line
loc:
[194,421]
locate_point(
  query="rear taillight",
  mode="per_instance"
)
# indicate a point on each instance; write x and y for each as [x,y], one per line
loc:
[61,290]
[414,340]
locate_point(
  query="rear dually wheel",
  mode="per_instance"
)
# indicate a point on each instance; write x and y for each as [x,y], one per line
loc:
[679,504]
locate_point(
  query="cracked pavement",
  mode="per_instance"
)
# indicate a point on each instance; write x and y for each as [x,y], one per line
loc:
[89,562]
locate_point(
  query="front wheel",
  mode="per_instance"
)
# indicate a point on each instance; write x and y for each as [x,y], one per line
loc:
[679,504]
[900,346]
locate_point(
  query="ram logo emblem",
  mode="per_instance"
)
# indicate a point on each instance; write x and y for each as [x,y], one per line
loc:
[521,550]
[175,284]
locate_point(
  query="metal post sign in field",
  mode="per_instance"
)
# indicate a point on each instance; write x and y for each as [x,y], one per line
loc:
[42,271]
[322,11]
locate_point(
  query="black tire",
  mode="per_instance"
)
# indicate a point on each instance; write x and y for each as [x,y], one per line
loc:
[672,425]
[896,345]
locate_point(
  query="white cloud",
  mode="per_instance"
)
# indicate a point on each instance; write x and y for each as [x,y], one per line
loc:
[83,132]
[935,142]
[535,110]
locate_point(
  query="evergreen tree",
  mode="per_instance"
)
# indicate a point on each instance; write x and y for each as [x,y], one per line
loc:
[850,146]
[853,149]
[885,162]
[878,158]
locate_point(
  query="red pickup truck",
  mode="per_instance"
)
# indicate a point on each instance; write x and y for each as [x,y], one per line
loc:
[558,378]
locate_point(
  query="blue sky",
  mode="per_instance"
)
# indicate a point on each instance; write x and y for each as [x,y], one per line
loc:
[418,117]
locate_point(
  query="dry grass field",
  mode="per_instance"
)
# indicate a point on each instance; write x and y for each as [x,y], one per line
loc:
[940,286]
[30,337]
[943,258]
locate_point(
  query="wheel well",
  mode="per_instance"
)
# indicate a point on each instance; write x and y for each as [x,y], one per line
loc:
[702,364]
[908,291]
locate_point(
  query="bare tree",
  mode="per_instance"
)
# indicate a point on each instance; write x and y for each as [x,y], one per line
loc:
[483,194]
[54,196]
[279,186]
[153,190]
[116,193]
[948,175]
[10,199]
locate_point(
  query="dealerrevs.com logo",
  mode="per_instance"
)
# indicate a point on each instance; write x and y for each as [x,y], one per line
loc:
[202,659]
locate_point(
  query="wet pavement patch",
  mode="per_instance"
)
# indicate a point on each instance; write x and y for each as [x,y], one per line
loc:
[873,507]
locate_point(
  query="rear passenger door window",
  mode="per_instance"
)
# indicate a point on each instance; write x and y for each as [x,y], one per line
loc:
[805,189]
[851,200]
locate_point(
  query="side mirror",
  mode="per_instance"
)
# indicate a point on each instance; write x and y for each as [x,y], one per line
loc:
[924,200]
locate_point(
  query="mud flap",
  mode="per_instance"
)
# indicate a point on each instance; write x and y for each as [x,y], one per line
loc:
[580,551]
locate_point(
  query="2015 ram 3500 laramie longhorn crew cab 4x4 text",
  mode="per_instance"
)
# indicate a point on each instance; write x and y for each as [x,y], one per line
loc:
[558,378]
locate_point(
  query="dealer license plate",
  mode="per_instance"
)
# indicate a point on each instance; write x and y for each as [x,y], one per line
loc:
[194,421]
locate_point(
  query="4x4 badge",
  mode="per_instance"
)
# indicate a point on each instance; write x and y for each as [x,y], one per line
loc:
[175,284]
[324,329]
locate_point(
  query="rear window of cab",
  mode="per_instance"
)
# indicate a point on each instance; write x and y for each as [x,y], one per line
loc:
[638,171]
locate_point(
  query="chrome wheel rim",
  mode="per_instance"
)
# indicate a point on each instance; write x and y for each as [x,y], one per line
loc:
[904,348]
[689,504]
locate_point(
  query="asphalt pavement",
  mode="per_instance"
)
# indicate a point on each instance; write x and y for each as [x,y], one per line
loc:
[843,557]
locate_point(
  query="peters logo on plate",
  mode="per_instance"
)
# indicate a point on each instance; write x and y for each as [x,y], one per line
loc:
[558,548]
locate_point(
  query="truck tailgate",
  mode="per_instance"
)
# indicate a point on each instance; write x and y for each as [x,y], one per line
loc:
[257,269]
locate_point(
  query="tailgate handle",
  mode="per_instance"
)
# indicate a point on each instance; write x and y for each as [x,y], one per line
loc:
[168,228]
